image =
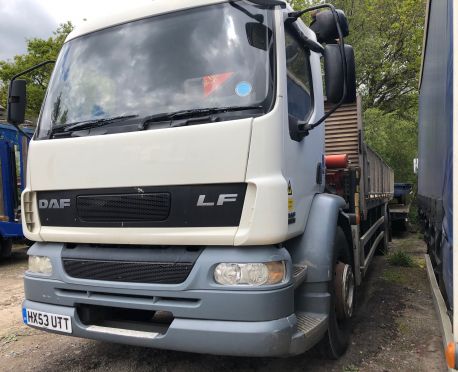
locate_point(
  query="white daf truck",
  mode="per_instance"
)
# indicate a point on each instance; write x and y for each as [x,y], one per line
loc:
[177,186]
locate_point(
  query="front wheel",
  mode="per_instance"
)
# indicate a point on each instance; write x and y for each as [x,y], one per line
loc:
[343,294]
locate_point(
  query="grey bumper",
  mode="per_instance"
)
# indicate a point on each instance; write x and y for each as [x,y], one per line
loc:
[269,338]
[208,318]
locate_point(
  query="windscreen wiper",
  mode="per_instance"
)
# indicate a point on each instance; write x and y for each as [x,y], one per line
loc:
[88,124]
[184,114]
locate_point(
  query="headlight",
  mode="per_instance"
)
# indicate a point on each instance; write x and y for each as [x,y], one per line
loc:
[40,265]
[255,274]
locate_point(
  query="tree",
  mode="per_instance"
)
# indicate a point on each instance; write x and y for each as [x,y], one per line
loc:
[387,37]
[394,138]
[38,50]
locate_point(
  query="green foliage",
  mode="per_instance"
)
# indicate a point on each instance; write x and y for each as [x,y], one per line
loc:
[38,50]
[387,37]
[394,137]
[400,258]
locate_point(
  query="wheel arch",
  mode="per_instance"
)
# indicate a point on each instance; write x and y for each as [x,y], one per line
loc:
[314,248]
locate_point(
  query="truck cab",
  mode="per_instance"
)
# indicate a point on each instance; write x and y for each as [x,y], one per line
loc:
[176,183]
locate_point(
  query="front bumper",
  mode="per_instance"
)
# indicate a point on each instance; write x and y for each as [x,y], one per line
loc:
[207,318]
[268,338]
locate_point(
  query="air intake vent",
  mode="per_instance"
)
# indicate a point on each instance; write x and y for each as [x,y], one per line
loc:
[122,271]
[29,216]
[124,207]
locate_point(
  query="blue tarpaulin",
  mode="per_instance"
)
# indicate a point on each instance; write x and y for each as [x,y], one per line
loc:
[436,129]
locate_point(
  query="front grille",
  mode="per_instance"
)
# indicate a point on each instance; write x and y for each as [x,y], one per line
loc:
[152,207]
[122,271]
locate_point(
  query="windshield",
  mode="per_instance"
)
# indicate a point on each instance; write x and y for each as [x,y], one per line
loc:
[208,57]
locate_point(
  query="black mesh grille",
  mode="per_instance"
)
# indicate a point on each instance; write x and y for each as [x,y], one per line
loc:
[124,207]
[120,271]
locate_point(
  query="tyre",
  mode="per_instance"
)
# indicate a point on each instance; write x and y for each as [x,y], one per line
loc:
[6,246]
[343,295]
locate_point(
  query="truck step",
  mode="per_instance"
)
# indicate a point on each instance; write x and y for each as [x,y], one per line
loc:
[310,328]
[299,273]
[306,322]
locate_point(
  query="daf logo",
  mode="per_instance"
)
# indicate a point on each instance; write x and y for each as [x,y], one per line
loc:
[223,198]
[53,203]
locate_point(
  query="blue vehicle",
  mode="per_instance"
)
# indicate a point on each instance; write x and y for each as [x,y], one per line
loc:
[400,206]
[437,173]
[13,162]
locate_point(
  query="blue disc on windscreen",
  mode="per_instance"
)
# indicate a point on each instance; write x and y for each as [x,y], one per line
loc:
[243,89]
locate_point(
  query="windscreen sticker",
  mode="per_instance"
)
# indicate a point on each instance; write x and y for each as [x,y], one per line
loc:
[213,82]
[243,89]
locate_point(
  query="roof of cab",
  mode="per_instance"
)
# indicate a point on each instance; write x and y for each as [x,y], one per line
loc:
[131,14]
[156,7]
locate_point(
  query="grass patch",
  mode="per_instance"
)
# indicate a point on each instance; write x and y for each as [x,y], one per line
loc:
[8,339]
[403,327]
[400,258]
[396,276]
[351,368]
[413,215]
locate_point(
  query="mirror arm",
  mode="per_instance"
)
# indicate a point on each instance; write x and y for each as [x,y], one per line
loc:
[313,45]
[32,69]
[19,75]
[304,127]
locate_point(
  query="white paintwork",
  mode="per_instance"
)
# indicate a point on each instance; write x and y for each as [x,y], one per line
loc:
[302,158]
[272,162]
[264,218]
[178,156]
[156,7]
[142,236]
[258,152]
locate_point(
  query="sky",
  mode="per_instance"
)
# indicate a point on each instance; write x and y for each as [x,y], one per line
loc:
[24,19]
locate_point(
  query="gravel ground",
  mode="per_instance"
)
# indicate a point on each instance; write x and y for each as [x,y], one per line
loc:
[395,329]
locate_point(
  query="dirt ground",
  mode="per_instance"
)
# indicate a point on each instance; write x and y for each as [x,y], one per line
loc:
[395,329]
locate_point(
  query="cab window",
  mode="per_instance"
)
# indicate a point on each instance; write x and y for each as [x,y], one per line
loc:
[299,78]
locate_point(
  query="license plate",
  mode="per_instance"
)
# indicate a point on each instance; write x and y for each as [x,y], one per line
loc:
[54,322]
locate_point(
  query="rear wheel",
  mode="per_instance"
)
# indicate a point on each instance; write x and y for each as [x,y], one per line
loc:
[343,294]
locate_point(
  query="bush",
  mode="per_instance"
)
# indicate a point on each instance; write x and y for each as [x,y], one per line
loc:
[400,258]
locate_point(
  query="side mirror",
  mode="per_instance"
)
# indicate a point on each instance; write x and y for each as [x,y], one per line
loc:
[334,77]
[325,27]
[16,102]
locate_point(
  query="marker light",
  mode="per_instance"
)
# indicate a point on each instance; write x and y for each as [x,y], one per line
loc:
[255,274]
[450,355]
[40,265]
